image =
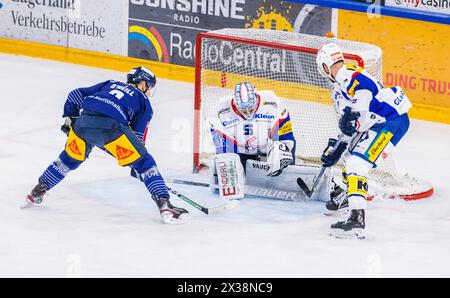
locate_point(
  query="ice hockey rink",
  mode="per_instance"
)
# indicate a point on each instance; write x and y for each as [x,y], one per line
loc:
[102,222]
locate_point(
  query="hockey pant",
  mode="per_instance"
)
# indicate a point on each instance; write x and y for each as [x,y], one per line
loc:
[368,151]
[92,129]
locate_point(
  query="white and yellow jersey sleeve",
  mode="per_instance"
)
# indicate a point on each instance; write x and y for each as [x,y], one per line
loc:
[363,93]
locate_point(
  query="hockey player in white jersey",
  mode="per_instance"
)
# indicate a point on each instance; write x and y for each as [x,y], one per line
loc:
[373,120]
[250,125]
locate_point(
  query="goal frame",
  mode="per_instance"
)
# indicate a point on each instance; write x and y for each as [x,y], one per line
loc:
[198,71]
[288,47]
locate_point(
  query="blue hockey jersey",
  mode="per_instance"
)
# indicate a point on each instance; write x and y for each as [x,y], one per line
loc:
[117,100]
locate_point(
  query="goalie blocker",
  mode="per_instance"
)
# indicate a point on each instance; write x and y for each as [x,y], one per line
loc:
[227,177]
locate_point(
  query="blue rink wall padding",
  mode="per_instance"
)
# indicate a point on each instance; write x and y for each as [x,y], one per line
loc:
[433,17]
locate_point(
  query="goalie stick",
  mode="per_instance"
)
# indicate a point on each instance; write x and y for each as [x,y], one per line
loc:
[212,210]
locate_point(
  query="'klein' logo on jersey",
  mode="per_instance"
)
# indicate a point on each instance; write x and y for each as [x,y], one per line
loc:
[123,153]
[74,148]
[261,116]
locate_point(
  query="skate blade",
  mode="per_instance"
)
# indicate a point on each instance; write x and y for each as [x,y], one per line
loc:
[28,204]
[168,218]
[353,234]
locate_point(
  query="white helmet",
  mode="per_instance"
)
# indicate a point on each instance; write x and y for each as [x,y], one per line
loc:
[245,99]
[327,56]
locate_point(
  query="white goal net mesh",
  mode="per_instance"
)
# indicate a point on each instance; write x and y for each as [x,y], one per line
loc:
[284,62]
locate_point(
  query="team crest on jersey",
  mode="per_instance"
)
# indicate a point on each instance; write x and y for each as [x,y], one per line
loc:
[218,140]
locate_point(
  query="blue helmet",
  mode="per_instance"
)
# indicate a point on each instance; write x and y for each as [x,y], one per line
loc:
[136,75]
[246,100]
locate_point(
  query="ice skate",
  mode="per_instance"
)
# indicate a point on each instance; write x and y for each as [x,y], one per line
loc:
[169,213]
[352,228]
[36,196]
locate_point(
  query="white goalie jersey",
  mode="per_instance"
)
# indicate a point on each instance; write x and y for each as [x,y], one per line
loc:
[233,133]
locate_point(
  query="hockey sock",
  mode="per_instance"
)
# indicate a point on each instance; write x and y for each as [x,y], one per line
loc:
[54,174]
[155,183]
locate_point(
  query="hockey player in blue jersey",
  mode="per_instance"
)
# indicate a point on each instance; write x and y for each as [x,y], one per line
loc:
[373,119]
[113,116]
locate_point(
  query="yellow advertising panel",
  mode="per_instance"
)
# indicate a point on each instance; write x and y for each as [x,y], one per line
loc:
[415,57]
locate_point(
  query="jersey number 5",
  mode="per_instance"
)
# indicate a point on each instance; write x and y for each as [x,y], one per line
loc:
[248,130]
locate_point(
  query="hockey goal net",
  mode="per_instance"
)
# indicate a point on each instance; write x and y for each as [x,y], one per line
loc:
[284,62]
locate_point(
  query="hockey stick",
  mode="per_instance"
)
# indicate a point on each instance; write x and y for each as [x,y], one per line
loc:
[301,183]
[193,183]
[214,210]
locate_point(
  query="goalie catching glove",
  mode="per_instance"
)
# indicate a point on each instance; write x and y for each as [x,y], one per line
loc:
[279,157]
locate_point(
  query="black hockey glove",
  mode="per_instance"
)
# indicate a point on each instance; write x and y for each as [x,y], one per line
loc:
[347,123]
[67,126]
[330,157]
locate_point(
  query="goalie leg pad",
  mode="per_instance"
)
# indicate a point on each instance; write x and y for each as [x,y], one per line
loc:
[230,174]
[284,186]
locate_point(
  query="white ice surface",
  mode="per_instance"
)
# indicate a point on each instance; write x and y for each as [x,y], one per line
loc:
[101,222]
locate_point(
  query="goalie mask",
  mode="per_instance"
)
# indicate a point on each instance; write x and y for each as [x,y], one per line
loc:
[246,100]
[137,75]
[327,56]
